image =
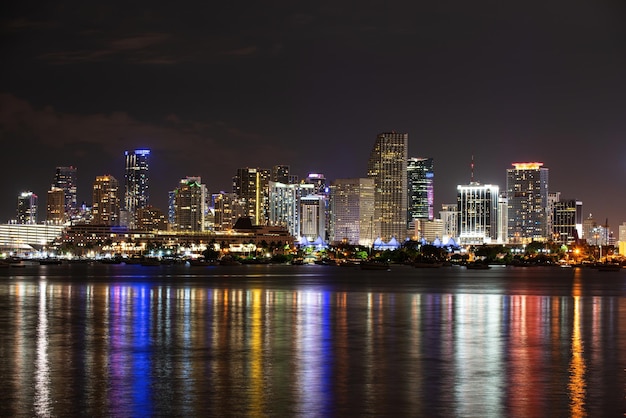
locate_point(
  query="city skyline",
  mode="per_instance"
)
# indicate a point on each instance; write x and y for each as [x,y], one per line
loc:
[210,89]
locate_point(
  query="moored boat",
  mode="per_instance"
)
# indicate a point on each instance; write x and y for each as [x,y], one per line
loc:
[50,261]
[477,266]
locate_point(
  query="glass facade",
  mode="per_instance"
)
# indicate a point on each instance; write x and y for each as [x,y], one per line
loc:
[136,177]
[527,195]
[387,165]
[420,178]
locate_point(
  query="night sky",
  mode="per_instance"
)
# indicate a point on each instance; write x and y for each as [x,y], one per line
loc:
[213,86]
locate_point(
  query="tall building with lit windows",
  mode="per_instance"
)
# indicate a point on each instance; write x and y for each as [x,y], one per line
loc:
[190,205]
[352,211]
[420,178]
[136,194]
[478,215]
[251,185]
[106,202]
[65,178]
[527,196]
[55,206]
[387,166]
[27,208]
[567,220]
[281,174]
[284,205]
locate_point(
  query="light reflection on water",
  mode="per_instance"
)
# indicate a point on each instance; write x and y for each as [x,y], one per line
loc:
[259,346]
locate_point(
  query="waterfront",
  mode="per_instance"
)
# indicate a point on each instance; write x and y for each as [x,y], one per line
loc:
[257,340]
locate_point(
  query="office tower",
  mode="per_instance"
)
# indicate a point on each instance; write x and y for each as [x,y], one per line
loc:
[420,178]
[65,178]
[553,198]
[567,221]
[151,219]
[387,166]
[449,215]
[106,201]
[313,217]
[55,206]
[589,224]
[228,208]
[136,193]
[319,181]
[190,205]
[503,214]
[352,211]
[284,205]
[27,208]
[527,195]
[321,189]
[251,185]
[478,213]
[280,174]
[429,230]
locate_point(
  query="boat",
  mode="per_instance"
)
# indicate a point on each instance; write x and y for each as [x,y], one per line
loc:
[49,261]
[477,266]
[374,265]
[112,260]
[201,262]
[16,262]
[132,260]
[228,261]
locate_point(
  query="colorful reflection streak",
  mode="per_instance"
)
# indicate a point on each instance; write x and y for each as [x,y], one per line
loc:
[140,349]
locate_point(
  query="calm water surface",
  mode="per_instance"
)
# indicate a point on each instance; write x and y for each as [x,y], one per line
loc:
[117,340]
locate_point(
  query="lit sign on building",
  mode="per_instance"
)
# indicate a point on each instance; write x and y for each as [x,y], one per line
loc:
[527,166]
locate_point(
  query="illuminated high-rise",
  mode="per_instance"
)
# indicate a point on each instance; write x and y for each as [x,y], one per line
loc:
[527,196]
[285,205]
[65,178]
[251,185]
[420,177]
[567,221]
[190,205]
[352,211]
[387,166]
[478,215]
[27,208]
[136,194]
[106,202]
[55,206]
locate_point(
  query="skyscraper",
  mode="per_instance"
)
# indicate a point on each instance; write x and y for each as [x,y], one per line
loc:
[106,201]
[478,214]
[65,178]
[567,220]
[387,166]
[352,211]
[420,177]
[27,208]
[136,194]
[280,174]
[190,205]
[252,186]
[285,204]
[527,195]
[55,206]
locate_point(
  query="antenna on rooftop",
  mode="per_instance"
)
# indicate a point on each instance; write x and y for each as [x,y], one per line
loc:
[472,170]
